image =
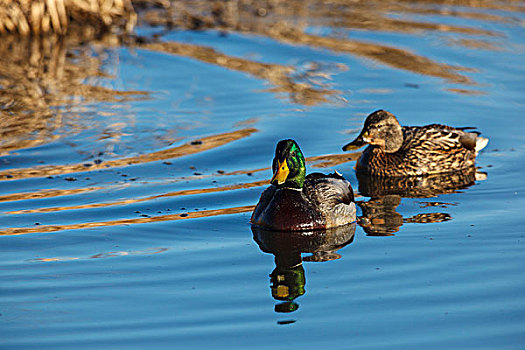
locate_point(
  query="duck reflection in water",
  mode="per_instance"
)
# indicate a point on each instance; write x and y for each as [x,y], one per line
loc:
[287,280]
[379,216]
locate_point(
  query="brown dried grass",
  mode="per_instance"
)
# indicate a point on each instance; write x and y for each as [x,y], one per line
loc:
[26,17]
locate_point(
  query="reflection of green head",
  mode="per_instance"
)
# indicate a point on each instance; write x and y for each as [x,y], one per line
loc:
[287,284]
[287,306]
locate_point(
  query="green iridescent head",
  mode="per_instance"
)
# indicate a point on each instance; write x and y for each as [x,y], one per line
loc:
[288,165]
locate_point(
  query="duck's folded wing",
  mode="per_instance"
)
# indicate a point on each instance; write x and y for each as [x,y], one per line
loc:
[331,189]
[441,138]
[332,194]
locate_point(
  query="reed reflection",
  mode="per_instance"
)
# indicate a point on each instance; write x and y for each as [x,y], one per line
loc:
[379,214]
[47,85]
[288,280]
[291,23]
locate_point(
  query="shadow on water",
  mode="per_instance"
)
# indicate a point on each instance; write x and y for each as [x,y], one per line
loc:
[288,280]
[379,215]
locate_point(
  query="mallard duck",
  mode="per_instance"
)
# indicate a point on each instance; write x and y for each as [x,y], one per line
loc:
[397,150]
[294,202]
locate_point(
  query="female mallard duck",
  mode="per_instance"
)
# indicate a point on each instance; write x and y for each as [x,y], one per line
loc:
[294,202]
[397,150]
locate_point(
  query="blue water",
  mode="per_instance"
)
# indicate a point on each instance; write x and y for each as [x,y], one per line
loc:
[109,258]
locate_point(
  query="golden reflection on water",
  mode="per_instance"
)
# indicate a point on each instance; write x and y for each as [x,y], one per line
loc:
[322,161]
[417,186]
[12,231]
[288,22]
[43,77]
[379,214]
[144,199]
[381,218]
[113,254]
[279,76]
[48,193]
[332,160]
[203,144]
[303,92]
[44,82]
[391,56]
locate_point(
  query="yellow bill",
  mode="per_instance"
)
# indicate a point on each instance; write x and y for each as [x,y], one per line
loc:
[281,173]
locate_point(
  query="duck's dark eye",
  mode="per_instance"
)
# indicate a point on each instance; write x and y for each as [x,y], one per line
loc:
[293,154]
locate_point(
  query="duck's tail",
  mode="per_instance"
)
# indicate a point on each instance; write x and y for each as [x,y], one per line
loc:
[481,142]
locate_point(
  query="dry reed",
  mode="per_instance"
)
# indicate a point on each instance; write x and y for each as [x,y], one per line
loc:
[26,17]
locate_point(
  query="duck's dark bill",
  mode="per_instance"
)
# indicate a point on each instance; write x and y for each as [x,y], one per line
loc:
[356,144]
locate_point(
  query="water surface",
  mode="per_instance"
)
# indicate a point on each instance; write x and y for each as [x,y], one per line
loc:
[129,171]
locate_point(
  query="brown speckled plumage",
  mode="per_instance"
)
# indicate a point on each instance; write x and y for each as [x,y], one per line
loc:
[429,149]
